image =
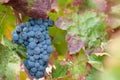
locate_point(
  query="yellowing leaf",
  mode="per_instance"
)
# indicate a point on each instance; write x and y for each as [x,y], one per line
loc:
[23,75]
[9,31]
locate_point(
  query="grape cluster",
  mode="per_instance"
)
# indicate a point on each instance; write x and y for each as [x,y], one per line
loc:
[34,36]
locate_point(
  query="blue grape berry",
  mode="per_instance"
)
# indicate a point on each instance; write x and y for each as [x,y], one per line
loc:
[37,64]
[15,37]
[50,22]
[32,45]
[32,59]
[36,57]
[37,50]
[34,70]
[49,49]
[31,64]
[45,58]
[41,68]
[39,74]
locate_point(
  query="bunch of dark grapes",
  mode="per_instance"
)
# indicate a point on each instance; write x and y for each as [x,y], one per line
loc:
[34,36]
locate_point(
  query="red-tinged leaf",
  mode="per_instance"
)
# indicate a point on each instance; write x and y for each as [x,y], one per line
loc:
[62,63]
[81,77]
[77,2]
[101,4]
[63,23]
[35,8]
[111,3]
[54,4]
[17,77]
[69,56]
[4,1]
[114,15]
[74,43]
[39,8]
[108,21]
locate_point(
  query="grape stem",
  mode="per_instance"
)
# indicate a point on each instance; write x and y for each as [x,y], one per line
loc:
[17,17]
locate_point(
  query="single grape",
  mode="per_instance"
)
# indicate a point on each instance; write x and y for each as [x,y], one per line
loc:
[32,59]
[45,58]
[41,55]
[42,50]
[49,49]
[32,45]
[31,34]
[39,74]
[37,64]
[20,41]
[48,42]
[36,57]
[31,64]
[39,21]
[24,35]
[33,70]
[38,34]
[25,29]
[15,37]
[41,62]
[18,29]
[45,53]
[37,50]
[41,68]
[30,52]
[40,45]
[27,24]
[45,23]
[45,47]
[22,25]
[50,22]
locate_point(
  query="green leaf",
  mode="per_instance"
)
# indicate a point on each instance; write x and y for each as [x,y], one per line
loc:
[58,41]
[97,61]
[115,16]
[19,49]
[90,28]
[90,4]
[64,78]
[92,75]
[53,16]
[79,66]
[7,19]
[60,70]
[12,71]
[7,59]
[63,4]
[98,5]
[2,48]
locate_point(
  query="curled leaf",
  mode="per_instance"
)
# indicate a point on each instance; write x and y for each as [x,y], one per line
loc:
[74,43]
